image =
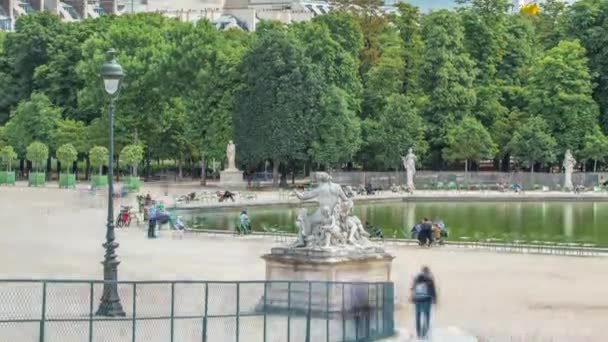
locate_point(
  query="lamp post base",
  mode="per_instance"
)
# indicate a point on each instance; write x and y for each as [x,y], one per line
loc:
[110,301]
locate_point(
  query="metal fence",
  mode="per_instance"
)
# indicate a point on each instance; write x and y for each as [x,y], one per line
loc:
[183,311]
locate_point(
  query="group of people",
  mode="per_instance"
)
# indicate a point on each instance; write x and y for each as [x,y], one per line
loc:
[155,214]
[428,232]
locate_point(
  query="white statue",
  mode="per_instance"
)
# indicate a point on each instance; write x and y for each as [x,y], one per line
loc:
[230,155]
[333,224]
[569,163]
[409,163]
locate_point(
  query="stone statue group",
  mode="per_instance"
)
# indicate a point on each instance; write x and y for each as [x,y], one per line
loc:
[333,224]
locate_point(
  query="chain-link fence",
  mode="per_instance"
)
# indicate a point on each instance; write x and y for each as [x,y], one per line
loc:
[184,311]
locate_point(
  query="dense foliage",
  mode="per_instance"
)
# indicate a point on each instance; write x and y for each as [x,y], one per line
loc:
[350,89]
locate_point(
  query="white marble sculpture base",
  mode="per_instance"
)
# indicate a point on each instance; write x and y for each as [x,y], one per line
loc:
[371,264]
[232,179]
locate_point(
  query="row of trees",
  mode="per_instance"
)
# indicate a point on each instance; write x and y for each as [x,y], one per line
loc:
[348,88]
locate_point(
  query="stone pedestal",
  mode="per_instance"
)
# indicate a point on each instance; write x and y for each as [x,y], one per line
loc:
[370,264]
[232,179]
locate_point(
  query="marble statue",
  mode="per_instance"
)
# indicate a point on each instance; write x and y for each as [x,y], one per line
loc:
[333,224]
[409,163]
[569,163]
[230,155]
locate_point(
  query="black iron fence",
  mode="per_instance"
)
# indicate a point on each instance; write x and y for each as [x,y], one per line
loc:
[184,311]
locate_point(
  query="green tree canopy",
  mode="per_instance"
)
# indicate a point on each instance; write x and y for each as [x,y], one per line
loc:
[595,146]
[338,136]
[532,143]
[8,156]
[33,120]
[278,99]
[560,92]
[98,156]
[67,154]
[469,141]
[70,132]
[132,155]
[398,128]
[37,153]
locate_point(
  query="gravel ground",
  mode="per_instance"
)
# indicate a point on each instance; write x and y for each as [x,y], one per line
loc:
[52,233]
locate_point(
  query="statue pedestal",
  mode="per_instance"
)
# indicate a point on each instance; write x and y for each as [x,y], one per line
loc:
[232,179]
[369,264]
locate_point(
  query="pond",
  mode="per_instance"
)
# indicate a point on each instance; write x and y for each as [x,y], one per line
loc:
[545,221]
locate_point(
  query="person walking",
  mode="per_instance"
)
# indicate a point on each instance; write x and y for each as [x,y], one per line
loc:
[424,294]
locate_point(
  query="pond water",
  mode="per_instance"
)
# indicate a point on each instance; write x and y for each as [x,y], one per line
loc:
[546,221]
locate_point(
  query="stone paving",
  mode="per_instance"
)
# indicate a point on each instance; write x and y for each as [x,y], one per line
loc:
[52,233]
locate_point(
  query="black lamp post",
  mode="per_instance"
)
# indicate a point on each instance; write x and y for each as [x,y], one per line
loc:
[111,73]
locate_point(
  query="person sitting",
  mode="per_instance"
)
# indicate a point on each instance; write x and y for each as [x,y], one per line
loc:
[374,231]
[425,235]
[244,224]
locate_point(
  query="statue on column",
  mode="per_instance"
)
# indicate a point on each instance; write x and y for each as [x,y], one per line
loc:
[230,155]
[409,163]
[569,163]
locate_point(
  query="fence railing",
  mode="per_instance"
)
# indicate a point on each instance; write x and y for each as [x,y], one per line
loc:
[183,311]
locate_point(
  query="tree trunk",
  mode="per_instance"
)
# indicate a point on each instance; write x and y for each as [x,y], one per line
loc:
[148,164]
[283,183]
[101,170]
[532,167]
[466,170]
[203,171]
[275,173]
[48,168]
[87,172]
[58,168]
[117,167]
[135,141]
[180,168]
[595,166]
[506,161]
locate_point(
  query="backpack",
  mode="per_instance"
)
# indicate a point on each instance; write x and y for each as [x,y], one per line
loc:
[421,291]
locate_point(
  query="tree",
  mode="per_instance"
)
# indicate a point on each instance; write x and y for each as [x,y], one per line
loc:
[8,156]
[485,31]
[469,141]
[532,143]
[398,128]
[37,153]
[595,146]
[447,76]
[386,76]
[276,105]
[99,157]
[67,154]
[70,132]
[33,120]
[132,155]
[587,21]
[547,21]
[25,50]
[409,24]
[560,90]
[338,136]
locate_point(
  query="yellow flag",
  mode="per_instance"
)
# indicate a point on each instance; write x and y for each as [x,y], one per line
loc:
[530,9]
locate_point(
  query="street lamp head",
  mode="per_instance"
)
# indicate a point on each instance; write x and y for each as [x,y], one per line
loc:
[111,73]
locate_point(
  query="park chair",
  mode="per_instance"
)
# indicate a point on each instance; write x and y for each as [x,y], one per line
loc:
[439,186]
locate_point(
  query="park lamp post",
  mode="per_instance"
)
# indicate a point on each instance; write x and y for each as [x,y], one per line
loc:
[111,74]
